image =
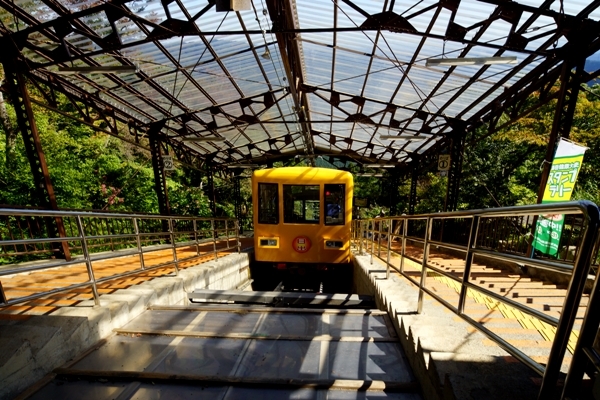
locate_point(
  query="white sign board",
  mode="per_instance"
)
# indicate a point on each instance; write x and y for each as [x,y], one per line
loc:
[444,162]
[168,163]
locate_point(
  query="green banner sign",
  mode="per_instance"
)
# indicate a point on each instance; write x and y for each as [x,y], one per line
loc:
[561,182]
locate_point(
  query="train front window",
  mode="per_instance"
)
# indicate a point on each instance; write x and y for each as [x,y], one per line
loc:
[268,203]
[334,204]
[301,204]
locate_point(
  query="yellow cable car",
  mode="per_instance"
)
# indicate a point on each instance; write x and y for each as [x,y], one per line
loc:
[302,215]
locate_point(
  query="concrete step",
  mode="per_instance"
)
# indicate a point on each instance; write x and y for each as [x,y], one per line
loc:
[35,346]
[496,283]
[512,333]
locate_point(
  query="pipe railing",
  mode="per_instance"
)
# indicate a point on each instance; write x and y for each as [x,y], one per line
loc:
[581,236]
[94,236]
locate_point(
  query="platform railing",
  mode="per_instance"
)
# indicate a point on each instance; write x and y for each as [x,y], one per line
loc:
[468,234]
[25,245]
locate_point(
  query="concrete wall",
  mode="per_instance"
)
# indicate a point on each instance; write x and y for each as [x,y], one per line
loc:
[33,347]
[361,282]
[450,360]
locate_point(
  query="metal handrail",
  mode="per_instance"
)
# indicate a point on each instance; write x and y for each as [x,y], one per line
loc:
[219,229]
[578,272]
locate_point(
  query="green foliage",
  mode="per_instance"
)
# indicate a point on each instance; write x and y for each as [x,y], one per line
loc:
[431,193]
[91,170]
[505,169]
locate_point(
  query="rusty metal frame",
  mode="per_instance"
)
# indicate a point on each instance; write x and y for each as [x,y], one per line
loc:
[160,179]
[35,154]
[92,110]
[454,174]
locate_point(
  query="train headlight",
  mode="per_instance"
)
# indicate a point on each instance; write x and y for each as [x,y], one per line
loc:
[268,242]
[333,244]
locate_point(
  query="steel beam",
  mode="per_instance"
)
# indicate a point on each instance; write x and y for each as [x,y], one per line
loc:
[160,179]
[35,154]
[412,200]
[457,146]
[211,189]
[292,63]
[393,195]
[237,198]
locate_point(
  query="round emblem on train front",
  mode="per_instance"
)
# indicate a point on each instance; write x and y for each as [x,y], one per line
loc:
[301,244]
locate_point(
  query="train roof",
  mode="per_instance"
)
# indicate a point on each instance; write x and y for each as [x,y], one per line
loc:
[310,173]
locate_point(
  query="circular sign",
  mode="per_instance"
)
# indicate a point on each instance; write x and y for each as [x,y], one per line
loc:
[301,244]
[444,162]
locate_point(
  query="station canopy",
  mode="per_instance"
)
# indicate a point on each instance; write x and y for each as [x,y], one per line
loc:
[257,81]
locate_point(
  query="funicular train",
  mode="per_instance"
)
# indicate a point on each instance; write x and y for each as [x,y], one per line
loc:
[302,218]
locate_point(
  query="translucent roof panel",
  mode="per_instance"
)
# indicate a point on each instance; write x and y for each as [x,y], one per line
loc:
[269,78]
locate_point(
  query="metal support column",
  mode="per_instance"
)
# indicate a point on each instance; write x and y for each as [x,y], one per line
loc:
[237,194]
[37,161]
[211,189]
[160,179]
[394,198]
[456,158]
[412,200]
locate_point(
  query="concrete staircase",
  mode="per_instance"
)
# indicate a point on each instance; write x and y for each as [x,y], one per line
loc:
[455,359]
[32,345]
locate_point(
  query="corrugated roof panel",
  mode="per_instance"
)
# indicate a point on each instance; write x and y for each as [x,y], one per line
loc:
[407,8]
[281,130]
[38,10]
[382,81]
[320,142]
[397,46]
[357,43]
[125,107]
[149,101]
[216,83]
[314,14]
[342,129]
[402,113]
[148,58]
[373,111]
[319,105]
[318,61]
[128,31]
[347,16]
[351,72]
[246,73]
[472,13]
[225,46]
[244,77]
[359,147]
[151,10]
[272,66]
[417,87]
[193,99]
[182,89]
[496,33]
[441,22]
[363,133]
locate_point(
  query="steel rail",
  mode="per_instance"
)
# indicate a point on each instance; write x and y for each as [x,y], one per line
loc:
[88,228]
[578,270]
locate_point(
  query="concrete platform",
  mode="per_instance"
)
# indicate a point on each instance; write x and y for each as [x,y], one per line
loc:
[253,351]
[32,346]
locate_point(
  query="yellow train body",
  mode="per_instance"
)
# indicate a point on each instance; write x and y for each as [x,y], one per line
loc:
[302,215]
